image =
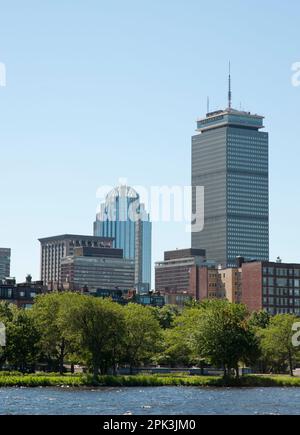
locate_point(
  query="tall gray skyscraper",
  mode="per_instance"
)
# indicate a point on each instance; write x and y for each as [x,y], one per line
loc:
[124,218]
[230,159]
[4,263]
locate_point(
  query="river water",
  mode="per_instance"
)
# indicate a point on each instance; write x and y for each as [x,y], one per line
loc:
[150,401]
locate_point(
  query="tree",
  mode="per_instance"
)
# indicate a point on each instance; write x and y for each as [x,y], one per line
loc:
[57,341]
[7,311]
[166,315]
[6,315]
[259,320]
[100,326]
[178,342]
[142,334]
[276,342]
[22,338]
[223,335]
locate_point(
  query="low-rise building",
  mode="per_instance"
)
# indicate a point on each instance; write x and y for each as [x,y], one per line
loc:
[125,297]
[273,287]
[218,283]
[23,294]
[180,299]
[179,274]
[260,285]
[150,299]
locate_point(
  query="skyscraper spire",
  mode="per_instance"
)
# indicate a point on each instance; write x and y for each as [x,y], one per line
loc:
[229,88]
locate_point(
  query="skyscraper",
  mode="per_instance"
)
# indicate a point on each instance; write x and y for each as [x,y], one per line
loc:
[230,160]
[124,218]
[4,263]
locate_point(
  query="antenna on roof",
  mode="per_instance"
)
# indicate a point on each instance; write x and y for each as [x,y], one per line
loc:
[207,105]
[229,88]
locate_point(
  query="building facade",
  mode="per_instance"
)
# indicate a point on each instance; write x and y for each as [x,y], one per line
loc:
[97,268]
[22,295]
[230,160]
[5,255]
[272,287]
[178,276]
[124,218]
[124,297]
[53,249]
[216,283]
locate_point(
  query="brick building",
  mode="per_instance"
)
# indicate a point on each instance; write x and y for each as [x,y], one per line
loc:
[22,295]
[273,287]
[178,276]
[220,284]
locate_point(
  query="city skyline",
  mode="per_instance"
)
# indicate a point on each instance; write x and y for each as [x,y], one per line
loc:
[62,113]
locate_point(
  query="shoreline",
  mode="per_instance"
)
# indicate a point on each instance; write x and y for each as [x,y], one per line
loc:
[85,381]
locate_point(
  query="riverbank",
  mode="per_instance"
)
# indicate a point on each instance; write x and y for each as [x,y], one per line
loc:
[42,380]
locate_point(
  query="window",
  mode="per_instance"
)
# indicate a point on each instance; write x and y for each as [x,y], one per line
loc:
[282,272]
[282,282]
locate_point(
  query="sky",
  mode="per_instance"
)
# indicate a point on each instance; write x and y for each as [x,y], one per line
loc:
[102,90]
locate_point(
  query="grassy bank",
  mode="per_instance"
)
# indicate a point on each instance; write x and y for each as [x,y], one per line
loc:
[53,380]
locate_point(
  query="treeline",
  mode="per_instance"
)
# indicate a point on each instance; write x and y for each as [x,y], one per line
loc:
[70,328]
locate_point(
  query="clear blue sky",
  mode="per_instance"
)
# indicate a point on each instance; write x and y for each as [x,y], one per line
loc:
[98,90]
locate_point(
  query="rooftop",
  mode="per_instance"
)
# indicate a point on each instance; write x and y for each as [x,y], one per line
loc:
[230,117]
[75,237]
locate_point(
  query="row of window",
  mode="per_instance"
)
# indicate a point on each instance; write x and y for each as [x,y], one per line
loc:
[9,294]
[281,282]
[281,271]
[273,291]
[283,302]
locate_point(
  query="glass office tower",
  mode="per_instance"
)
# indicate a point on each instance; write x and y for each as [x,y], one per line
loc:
[4,263]
[124,218]
[230,159]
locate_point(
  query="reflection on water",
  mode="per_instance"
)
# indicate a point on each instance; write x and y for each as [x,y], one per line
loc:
[150,401]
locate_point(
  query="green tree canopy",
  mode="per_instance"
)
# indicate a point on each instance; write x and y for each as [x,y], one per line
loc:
[223,336]
[142,334]
[57,341]
[276,341]
[22,338]
[166,315]
[260,319]
[179,343]
[100,325]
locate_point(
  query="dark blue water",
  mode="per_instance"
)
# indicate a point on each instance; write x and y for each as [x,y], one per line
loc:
[150,401]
